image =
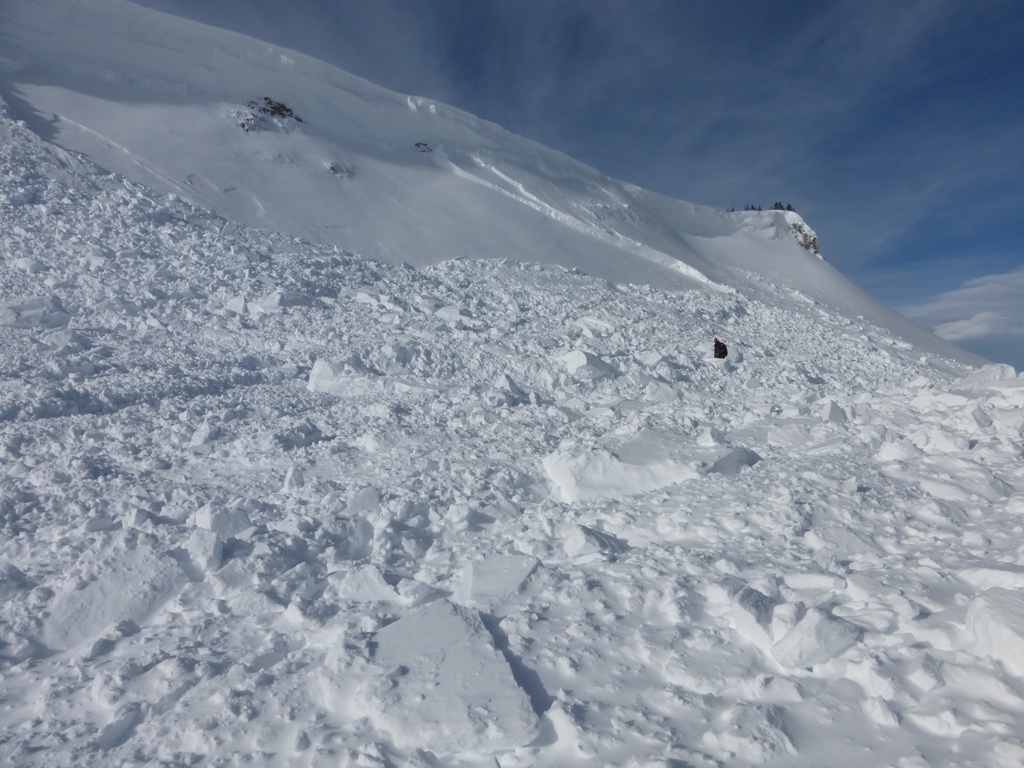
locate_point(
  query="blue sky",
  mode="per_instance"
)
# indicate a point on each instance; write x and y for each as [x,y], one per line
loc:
[895,128]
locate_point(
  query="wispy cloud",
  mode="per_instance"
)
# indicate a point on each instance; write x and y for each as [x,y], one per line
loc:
[982,324]
[984,315]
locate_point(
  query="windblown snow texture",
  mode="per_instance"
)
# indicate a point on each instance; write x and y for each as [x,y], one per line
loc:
[266,501]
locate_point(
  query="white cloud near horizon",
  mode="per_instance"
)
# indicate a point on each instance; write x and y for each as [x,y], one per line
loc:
[985,315]
[982,324]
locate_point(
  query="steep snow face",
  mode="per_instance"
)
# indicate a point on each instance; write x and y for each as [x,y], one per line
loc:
[183,108]
[263,501]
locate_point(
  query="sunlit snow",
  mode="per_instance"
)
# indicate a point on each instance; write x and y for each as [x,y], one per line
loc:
[318,448]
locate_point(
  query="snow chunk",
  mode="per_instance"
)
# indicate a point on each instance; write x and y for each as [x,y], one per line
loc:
[659,392]
[281,299]
[448,689]
[583,365]
[126,585]
[506,392]
[578,474]
[486,584]
[734,461]
[337,378]
[834,412]
[224,522]
[840,541]
[789,436]
[986,376]
[814,582]
[117,731]
[588,543]
[1004,575]
[363,584]
[29,265]
[996,619]
[451,314]
[38,312]
[752,612]
[817,637]
[65,341]
[205,549]
[12,581]
[293,480]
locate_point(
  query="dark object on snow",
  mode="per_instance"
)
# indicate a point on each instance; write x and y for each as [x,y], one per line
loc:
[721,351]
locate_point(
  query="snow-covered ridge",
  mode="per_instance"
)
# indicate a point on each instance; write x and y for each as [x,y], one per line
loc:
[265,501]
[779,225]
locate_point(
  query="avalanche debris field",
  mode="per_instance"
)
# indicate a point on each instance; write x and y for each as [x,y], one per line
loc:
[265,502]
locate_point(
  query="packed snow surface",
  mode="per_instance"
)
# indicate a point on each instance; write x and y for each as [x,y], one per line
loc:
[266,501]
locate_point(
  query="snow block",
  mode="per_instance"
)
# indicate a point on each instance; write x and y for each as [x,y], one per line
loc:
[125,585]
[293,480]
[29,265]
[1006,576]
[279,300]
[814,582]
[996,620]
[36,312]
[578,474]
[205,549]
[224,522]
[734,461]
[834,412]
[986,376]
[752,614]
[817,637]
[363,584]
[840,541]
[507,392]
[65,341]
[447,688]
[451,314]
[339,377]
[583,365]
[585,542]
[13,580]
[117,731]
[486,584]
[660,392]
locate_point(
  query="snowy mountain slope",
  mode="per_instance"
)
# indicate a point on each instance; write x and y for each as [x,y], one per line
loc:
[164,101]
[264,501]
